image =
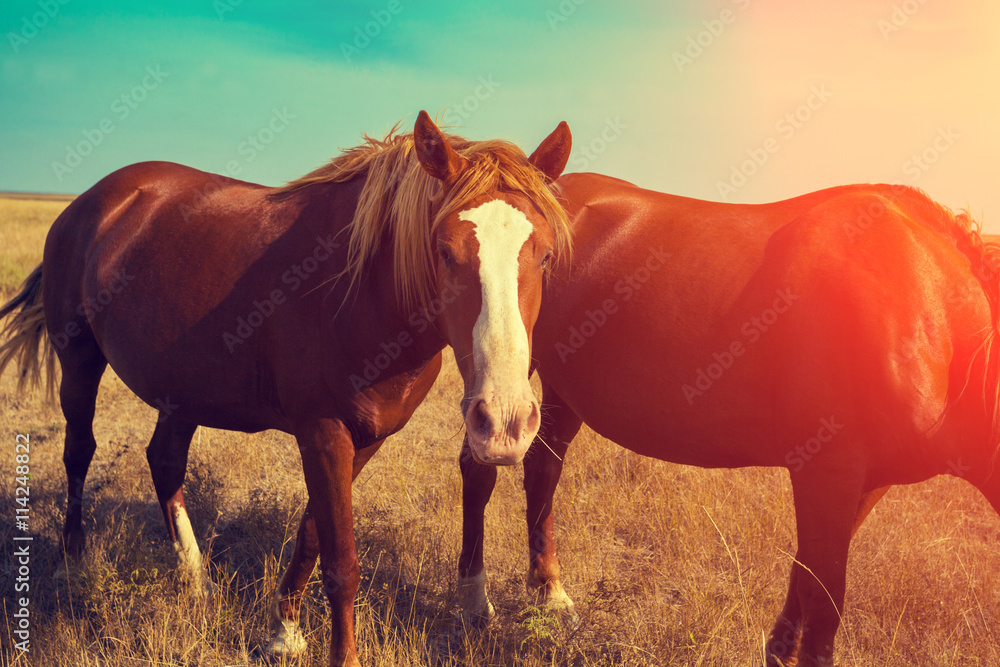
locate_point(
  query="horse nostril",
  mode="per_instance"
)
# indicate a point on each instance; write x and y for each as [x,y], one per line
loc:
[479,419]
[534,418]
[526,421]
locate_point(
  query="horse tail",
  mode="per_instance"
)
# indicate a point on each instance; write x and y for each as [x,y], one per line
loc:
[26,338]
[984,256]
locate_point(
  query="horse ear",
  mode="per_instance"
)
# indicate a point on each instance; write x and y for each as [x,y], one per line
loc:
[435,154]
[552,154]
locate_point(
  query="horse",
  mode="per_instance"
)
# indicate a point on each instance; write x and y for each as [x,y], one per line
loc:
[319,308]
[848,335]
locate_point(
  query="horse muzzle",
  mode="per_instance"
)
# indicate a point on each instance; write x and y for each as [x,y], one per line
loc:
[500,431]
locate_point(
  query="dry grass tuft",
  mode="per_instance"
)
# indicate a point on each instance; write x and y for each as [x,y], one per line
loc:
[668,565]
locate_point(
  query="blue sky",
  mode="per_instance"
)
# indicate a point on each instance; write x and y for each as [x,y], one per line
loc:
[674,96]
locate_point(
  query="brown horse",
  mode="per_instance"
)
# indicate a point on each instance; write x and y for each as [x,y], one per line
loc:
[848,335]
[320,309]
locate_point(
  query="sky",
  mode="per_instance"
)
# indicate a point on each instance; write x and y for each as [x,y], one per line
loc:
[727,100]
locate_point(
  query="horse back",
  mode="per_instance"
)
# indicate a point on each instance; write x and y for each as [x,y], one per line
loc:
[153,266]
[721,334]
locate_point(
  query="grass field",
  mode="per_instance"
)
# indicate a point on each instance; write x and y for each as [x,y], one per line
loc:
[668,565]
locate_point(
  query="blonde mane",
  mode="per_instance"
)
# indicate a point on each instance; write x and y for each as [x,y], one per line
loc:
[400,198]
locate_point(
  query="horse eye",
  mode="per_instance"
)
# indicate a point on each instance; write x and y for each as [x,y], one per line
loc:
[545,260]
[446,257]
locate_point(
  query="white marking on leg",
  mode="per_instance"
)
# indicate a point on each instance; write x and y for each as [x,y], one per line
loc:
[561,604]
[286,638]
[188,554]
[473,598]
[556,598]
[552,596]
[499,340]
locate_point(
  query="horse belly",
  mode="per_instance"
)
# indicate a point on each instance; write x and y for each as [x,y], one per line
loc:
[189,382]
[628,390]
[173,348]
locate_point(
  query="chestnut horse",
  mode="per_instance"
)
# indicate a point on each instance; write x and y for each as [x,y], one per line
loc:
[848,335]
[319,309]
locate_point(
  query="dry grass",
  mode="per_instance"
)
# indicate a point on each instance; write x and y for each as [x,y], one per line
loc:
[669,565]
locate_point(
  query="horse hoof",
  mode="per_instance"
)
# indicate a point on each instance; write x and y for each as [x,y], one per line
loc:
[73,543]
[773,661]
[558,603]
[565,610]
[804,661]
[61,575]
[287,640]
[200,587]
[72,553]
[786,659]
[480,617]
[477,610]
[208,589]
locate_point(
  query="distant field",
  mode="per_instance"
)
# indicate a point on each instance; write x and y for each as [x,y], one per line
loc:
[23,225]
[668,565]
[36,196]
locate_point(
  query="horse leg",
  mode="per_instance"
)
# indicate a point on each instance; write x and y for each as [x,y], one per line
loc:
[826,508]
[287,638]
[990,488]
[783,643]
[167,455]
[867,503]
[78,399]
[477,487]
[542,468]
[327,452]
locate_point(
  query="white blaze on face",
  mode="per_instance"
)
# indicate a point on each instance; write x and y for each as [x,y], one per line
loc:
[499,340]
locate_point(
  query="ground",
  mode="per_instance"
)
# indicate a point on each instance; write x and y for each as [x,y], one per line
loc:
[668,565]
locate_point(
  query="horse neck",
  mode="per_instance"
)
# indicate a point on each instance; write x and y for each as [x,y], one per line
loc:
[373,307]
[387,323]
[368,319]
